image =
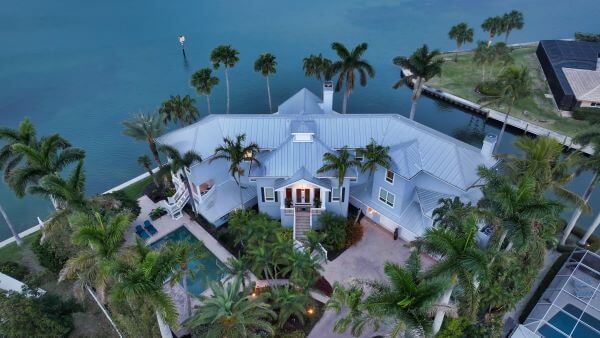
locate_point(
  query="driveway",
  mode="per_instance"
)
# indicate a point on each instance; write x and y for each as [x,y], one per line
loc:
[364,260]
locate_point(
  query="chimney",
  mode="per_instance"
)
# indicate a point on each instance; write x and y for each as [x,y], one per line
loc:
[489,143]
[328,96]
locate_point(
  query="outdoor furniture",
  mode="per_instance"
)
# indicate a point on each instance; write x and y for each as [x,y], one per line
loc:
[150,228]
[140,232]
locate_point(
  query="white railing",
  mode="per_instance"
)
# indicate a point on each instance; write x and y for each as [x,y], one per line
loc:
[174,204]
[317,211]
[289,211]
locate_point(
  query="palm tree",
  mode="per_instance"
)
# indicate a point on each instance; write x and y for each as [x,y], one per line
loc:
[494,26]
[227,56]
[204,83]
[483,56]
[24,134]
[185,253]
[140,275]
[50,156]
[238,268]
[349,63]
[145,162]
[423,66]
[147,128]
[288,302]
[262,259]
[515,84]
[181,163]
[451,211]
[374,155]
[461,261]
[461,33]
[234,151]
[301,267]
[179,110]
[351,299]
[101,241]
[317,66]
[338,163]
[265,64]
[15,234]
[512,20]
[231,313]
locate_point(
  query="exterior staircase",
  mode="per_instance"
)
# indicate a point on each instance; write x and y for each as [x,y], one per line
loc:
[301,224]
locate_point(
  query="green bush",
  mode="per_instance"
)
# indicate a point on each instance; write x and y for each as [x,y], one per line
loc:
[157,213]
[15,270]
[333,227]
[488,88]
[127,202]
[590,37]
[589,114]
[47,256]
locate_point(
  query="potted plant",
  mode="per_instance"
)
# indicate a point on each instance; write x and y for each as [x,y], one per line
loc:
[169,192]
[157,213]
[317,203]
[288,202]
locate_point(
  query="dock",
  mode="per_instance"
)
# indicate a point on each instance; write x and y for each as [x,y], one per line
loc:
[525,126]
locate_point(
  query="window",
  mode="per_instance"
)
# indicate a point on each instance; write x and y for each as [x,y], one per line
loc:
[269,195]
[389,176]
[595,104]
[335,194]
[358,157]
[387,197]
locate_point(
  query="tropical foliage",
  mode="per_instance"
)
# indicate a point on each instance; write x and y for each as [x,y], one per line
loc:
[179,109]
[461,33]
[143,127]
[349,64]
[266,64]
[204,82]
[226,56]
[318,67]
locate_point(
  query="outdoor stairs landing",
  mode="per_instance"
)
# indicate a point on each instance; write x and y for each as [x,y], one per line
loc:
[301,224]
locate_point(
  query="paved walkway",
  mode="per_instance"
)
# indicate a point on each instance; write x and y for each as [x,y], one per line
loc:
[364,260]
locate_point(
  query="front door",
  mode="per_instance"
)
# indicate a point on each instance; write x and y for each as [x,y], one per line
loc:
[303,196]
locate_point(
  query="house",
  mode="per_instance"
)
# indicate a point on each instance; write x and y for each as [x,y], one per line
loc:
[426,165]
[572,69]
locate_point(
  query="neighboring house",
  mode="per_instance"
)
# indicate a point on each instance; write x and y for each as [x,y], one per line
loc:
[572,69]
[427,165]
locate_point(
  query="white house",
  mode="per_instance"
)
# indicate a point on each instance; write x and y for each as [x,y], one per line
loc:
[427,165]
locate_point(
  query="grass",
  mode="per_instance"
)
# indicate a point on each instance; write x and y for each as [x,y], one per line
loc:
[13,253]
[460,78]
[136,190]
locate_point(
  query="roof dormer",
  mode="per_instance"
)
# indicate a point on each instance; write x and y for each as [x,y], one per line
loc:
[302,130]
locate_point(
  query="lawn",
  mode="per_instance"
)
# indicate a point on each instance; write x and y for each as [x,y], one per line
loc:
[136,189]
[460,78]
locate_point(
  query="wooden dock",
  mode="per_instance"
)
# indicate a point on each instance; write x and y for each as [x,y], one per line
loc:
[525,126]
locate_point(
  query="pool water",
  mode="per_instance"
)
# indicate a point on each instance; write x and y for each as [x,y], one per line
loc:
[568,324]
[206,269]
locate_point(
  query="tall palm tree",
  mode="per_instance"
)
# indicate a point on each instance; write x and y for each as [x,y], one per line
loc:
[227,56]
[11,227]
[236,153]
[374,155]
[350,63]
[266,64]
[140,275]
[318,67]
[179,110]
[461,33]
[185,253]
[514,84]
[494,26]
[483,56]
[461,261]
[24,134]
[145,162]
[101,240]
[231,313]
[423,66]
[512,20]
[338,164]
[143,127]
[204,83]
[48,157]
[288,303]
[451,211]
[181,163]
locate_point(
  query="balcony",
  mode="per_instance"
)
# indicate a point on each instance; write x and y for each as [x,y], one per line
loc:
[174,204]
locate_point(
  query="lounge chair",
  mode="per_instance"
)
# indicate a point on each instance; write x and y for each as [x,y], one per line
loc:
[150,228]
[140,232]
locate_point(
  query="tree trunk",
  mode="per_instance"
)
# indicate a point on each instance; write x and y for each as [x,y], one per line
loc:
[11,227]
[208,103]
[415,96]
[503,128]
[239,183]
[154,151]
[153,177]
[189,188]
[112,323]
[590,231]
[269,94]
[456,54]
[227,85]
[345,101]
[439,315]
[188,297]
[586,197]
[506,37]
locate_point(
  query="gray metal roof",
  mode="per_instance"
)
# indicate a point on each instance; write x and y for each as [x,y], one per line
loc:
[303,102]
[302,174]
[406,159]
[585,83]
[429,200]
[291,156]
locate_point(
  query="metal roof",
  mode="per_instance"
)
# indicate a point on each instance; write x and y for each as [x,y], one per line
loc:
[291,156]
[585,83]
[303,102]
[430,200]
[302,174]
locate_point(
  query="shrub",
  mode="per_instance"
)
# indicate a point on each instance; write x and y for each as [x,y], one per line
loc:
[354,233]
[589,114]
[286,233]
[15,270]
[127,202]
[590,37]
[488,88]
[47,256]
[333,228]
[157,213]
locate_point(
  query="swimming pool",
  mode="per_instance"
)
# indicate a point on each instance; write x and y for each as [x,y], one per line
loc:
[568,324]
[212,266]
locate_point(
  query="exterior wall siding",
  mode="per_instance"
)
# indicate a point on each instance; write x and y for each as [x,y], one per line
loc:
[270,208]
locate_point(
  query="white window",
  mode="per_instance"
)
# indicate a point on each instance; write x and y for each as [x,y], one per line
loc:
[269,195]
[358,157]
[389,176]
[335,194]
[387,197]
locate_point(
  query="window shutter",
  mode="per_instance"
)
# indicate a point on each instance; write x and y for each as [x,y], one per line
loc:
[329,196]
[277,196]
[343,193]
[262,193]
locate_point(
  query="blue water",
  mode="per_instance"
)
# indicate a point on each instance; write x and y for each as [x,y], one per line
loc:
[80,68]
[206,269]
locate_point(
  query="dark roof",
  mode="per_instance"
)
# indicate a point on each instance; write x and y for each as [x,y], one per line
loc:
[572,54]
